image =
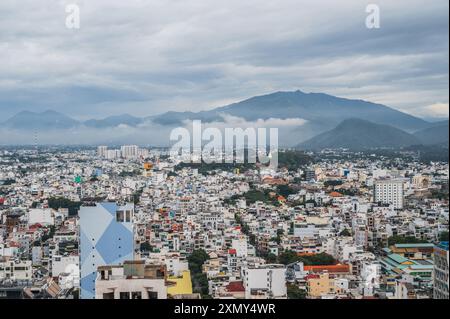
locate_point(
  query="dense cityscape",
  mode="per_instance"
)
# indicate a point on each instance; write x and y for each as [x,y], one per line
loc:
[128,222]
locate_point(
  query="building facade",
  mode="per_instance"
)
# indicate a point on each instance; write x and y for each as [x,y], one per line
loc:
[440,276]
[106,238]
[265,282]
[389,192]
[132,280]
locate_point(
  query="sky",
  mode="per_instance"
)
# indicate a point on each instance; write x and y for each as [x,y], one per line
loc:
[145,57]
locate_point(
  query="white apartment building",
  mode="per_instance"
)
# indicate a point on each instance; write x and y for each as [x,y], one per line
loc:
[7,251]
[44,217]
[16,270]
[241,246]
[129,151]
[265,282]
[102,151]
[64,264]
[389,192]
[175,266]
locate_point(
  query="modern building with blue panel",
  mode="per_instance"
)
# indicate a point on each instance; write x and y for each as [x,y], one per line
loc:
[106,238]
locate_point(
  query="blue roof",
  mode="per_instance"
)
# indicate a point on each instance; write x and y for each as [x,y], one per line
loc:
[414,245]
[417,267]
[397,258]
[443,245]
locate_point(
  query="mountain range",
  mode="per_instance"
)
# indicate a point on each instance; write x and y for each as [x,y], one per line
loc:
[326,121]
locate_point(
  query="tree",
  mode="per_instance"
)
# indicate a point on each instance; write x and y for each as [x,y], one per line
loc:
[332,183]
[294,292]
[285,190]
[145,247]
[280,233]
[318,260]
[61,202]
[196,260]
[345,233]
[288,257]
[271,258]
[404,240]
[200,284]
[443,236]
[199,280]
[49,233]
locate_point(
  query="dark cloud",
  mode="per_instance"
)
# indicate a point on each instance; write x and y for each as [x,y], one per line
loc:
[147,57]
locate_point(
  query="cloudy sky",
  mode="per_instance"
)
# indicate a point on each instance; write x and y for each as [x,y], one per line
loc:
[144,57]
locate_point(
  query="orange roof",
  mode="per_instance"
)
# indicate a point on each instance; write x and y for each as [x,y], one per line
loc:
[329,268]
[335,194]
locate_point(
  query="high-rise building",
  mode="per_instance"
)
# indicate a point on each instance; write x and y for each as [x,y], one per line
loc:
[310,174]
[440,274]
[102,150]
[106,238]
[389,192]
[129,151]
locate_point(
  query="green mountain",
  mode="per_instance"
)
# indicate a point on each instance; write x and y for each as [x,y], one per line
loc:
[358,134]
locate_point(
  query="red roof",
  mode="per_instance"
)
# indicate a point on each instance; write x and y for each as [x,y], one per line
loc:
[329,268]
[232,251]
[34,226]
[235,286]
[2,201]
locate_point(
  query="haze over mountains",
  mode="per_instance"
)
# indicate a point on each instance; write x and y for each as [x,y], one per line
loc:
[311,120]
[359,134]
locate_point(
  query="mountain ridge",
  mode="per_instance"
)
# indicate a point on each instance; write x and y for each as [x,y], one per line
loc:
[318,112]
[358,134]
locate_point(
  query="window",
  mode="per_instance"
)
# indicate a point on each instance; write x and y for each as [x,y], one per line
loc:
[128,216]
[136,295]
[124,295]
[120,216]
[152,295]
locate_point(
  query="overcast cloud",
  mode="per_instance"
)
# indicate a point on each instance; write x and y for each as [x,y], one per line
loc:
[145,57]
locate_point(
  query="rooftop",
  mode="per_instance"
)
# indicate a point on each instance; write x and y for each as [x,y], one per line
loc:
[443,245]
[425,245]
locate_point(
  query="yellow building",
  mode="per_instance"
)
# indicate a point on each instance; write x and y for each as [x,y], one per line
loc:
[319,285]
[148,167]
[182,284]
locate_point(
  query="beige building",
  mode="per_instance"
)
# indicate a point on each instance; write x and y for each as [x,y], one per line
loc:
[15,269]
[324,284]
[133,280]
